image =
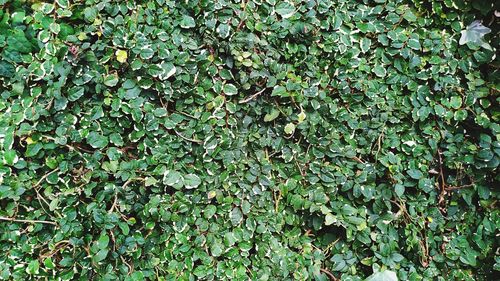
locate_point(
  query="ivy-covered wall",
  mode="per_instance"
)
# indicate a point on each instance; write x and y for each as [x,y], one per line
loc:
[249,140]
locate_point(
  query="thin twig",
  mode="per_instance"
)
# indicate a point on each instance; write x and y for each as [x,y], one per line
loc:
[329,274]
[443,181]
[115,200]
[27,221]
[58,246]
[71,148]
[44,177]
[188,139]
[186,114]
[424,260]
[130,268]
[449,188]
[252,96]
[113,239]
[40,197]
[403,209]
[49,104]
[277,201]
[302,173]
[357,159]
[240,25]
[379,143]
[163,104]
[327,251]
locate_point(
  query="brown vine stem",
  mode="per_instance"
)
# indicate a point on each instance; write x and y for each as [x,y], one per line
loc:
[357,159]
[252,97]
[40,197]
[130,268]
[449,188]
[72,148]
[27,221]
[329,274]
[242,22]
[187,139]
[115,200]
[443,181]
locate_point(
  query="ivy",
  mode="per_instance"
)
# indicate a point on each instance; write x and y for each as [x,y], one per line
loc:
[249,140]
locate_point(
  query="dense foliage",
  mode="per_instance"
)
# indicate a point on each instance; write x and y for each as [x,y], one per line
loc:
[250,139]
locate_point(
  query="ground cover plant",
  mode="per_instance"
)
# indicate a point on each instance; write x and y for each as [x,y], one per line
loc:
[249,140]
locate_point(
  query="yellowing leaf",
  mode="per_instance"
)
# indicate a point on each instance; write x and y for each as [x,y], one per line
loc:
[211,194]
[290,128]
[121,56]
[82,36]
[302,117]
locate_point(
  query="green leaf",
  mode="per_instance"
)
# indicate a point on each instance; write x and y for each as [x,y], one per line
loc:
[33,149]
[223,30]
[460,115]
[124,228]
[301,117]
[6,69]
[257,139]
[279,91]
[456,102]
[10,157]
[415,174]
[97,140]
[216,249]
[469,257]
[116,139]
[18,41]
[209,211]
[53,178]
[49,263]
[236,216]
[90,14]
[385,275]
[365,44]
[150,181]
[111,80]
[330,219]
[409,15]
[103,241]
[187,22]
[100,256]
[399,189]
[272,115]
[171,177]
[230,90]
[191,181]
[414,44]
[379,70]
[63,3]
[474,33]
[33,267]
[147,53]
[75,93]
[285,9]
[168,70]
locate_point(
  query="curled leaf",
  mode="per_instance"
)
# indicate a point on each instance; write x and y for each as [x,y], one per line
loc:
[474,33]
